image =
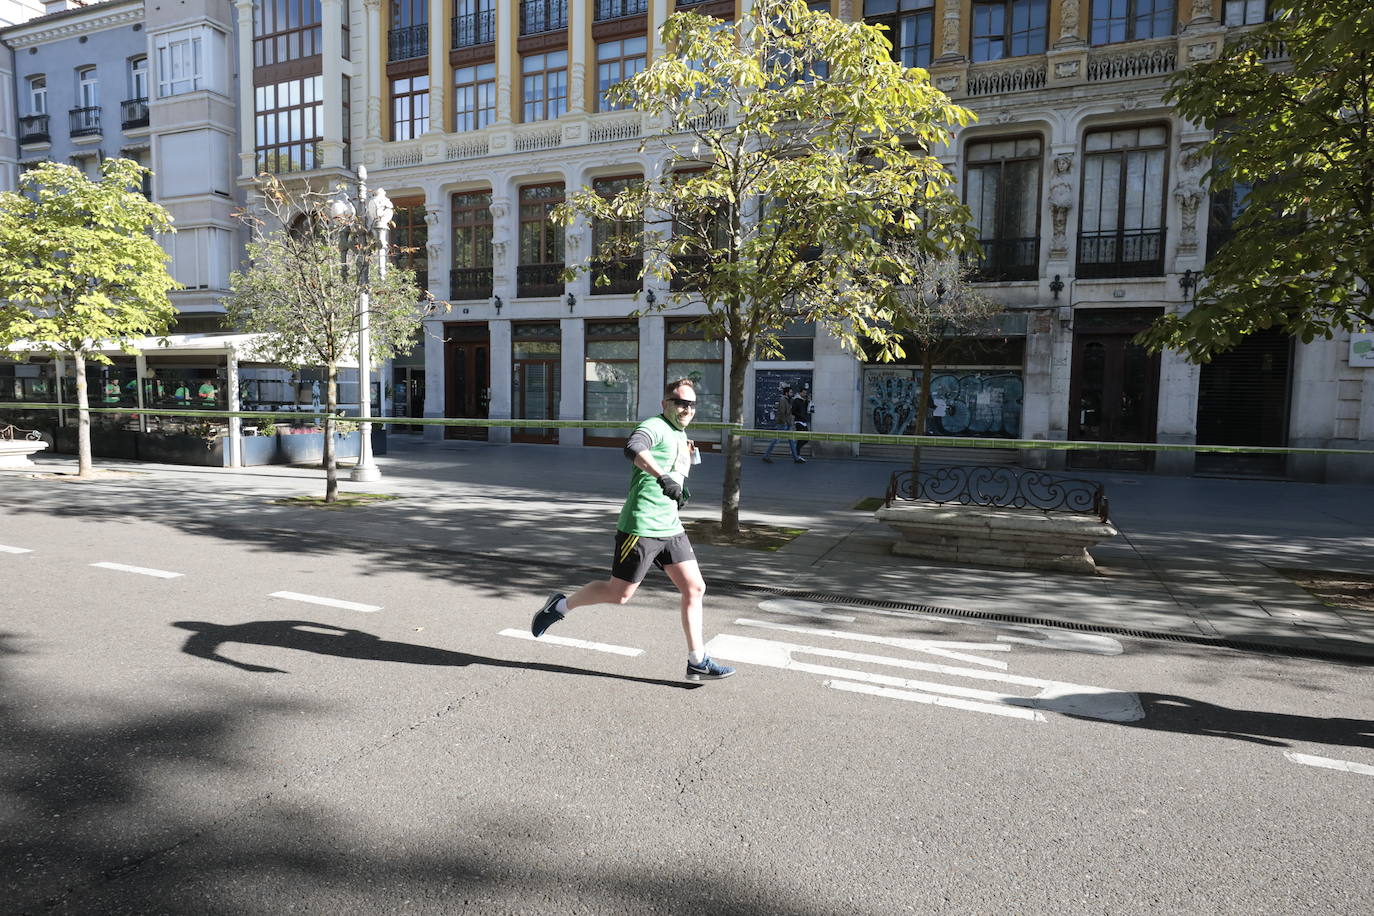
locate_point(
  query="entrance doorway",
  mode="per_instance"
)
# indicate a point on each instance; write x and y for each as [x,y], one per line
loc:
[1113,389]
[1242,399]
[536,375]
[467,374]
[407,395]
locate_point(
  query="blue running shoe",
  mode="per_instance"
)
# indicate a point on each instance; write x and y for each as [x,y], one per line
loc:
[708,671]
[547,616]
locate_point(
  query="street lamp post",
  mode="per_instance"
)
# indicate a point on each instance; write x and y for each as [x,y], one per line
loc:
[376,211]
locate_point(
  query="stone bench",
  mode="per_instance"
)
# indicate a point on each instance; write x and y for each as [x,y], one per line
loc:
[16,445]
[1001,516]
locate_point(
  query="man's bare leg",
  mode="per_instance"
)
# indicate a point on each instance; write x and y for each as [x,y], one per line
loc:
[687,577]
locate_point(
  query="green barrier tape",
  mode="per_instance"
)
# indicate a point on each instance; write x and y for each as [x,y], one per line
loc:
[1057,445]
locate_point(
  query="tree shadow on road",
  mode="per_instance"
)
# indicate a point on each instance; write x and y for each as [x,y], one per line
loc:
[326,639]
[1183,715]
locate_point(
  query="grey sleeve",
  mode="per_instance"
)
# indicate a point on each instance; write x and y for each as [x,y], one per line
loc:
[641,441]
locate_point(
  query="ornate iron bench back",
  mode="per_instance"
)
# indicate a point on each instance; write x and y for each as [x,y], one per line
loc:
[1000,487]
[11,432]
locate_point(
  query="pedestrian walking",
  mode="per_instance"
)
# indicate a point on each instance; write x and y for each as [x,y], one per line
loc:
[649,531]
[802,408]
[782,419]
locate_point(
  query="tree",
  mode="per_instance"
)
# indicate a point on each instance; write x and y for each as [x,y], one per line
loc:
[1295,141]
[937,311]
[308,271]
[80,268]
[793,144]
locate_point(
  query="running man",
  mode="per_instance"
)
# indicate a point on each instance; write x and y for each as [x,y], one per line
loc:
[649,532]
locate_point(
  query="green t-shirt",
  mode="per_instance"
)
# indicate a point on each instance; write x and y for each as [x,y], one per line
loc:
[647,512]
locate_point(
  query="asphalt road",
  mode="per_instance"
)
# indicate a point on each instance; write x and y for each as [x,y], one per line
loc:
[202,744]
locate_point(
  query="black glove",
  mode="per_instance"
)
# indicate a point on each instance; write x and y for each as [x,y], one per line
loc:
[673,490]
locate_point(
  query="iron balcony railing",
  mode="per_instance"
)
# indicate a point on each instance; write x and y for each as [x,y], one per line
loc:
[33,129]
[543,16]
[533,280]
[474,29]
[85,121]
[616,9]
[133,113]
[469,283]
[1008,259]
[623,276]
[1124,253]
[409,42]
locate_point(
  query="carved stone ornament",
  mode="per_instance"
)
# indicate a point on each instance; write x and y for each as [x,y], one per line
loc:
[1202,9]
[1005,117]
[1188,193]
[1068,19]
[1203,50]
[498,255]
[949,33]
[500,209]
[1066,69]
[1130,103]
[1061,203]
[1190,157]
[947,84]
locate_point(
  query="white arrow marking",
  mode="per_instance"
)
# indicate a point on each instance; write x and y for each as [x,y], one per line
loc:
[1053,696]
[914,697]
[801,609]
[573,643]
[1330,763]
[142,571]
[327,602]
[4,549]
[930,646]
[1040,637]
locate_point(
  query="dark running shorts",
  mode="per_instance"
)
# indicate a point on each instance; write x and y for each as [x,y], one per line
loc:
[635,554]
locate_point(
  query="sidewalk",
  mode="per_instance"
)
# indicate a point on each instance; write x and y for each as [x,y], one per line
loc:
[1195,557]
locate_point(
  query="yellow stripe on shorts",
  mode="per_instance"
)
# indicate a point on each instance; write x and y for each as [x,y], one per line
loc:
[629,545]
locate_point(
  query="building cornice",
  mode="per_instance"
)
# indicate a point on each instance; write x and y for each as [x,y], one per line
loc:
[94,19]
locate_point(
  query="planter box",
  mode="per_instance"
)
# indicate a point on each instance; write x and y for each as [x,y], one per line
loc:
[308,448]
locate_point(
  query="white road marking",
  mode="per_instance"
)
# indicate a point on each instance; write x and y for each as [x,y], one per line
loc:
[915,697]
[1040,637]
[4,549]
[573,643]
[941,647]
[141,570]
[1053,696]
[801,609]
[1330,763]
[327,602]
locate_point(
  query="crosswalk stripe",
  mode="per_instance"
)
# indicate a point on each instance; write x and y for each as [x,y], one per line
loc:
[327,602]
[141,570]
[4,549]
[573,643]
[940,647]
[1330,763]
[917,697]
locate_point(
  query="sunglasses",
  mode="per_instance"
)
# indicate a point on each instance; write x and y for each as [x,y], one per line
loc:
[683,403]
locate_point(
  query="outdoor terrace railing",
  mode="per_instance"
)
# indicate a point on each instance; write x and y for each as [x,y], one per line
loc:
[1008,259]
[85,121]
[999,487]
[34,129]
[408,42]
[473,29]
[1134,253]
[616,9]
[533,280]
[543,16]
[469,283]
[133,113]
[623,274]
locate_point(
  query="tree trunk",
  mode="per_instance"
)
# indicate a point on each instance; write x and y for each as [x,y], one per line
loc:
[83,417]
[331,469]
[922,406]
[734,446]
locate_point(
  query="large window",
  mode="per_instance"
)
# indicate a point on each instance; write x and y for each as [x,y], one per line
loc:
[138,78]
[541,242]
[288,125]
[474,97]
[409,107]
[536,377]
[285,30]
[1009,28]
[470,276]
[616,61]
[1122,233]
[1131,20]
[623,235]
[911,28]
[409,33]
[38,95]
[1245,12]
[688,354]
[544,85]
[611,379]
[409,240]
[1002,182]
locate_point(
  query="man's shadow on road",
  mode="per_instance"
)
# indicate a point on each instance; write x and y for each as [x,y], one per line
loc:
[325,639]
